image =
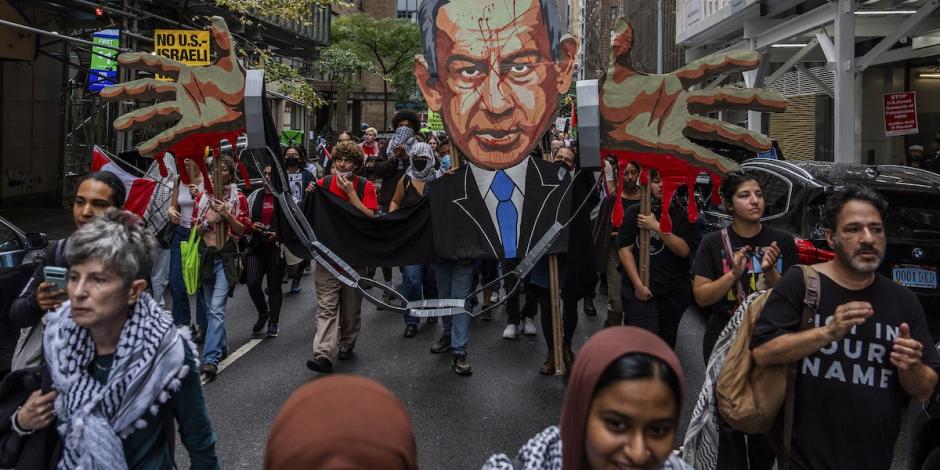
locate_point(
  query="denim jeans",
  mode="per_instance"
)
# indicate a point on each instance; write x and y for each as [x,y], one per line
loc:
[412,287]
[160,276]
[217,294]
[181,312]
[454,281]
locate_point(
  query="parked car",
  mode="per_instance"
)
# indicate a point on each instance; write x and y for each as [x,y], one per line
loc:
[925,434]
[20,252]
[795,193]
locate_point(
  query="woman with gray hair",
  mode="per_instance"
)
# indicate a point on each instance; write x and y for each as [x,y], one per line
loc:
[121,370]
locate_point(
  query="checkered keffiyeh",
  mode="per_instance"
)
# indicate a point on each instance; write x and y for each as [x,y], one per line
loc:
[156,214]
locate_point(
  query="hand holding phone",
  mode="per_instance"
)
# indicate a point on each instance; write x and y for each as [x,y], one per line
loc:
[52,292]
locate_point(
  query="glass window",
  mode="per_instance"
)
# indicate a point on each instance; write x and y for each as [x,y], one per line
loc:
[776,192]
[8,239]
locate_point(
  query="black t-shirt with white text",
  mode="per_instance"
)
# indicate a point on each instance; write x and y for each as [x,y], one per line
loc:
[667,269]
[849,400]
[711,261]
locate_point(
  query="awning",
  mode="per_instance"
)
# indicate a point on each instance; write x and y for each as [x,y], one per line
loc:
[281,96]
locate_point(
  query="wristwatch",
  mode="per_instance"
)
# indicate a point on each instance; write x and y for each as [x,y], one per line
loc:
[16,428]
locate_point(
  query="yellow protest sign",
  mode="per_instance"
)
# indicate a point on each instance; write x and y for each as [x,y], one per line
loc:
[188,46]
[434,121]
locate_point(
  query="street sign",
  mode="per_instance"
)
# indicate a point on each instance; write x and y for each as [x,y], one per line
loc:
[900,113]
[103,70]
[188,46]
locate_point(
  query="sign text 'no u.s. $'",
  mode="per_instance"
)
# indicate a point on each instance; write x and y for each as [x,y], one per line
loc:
[188,46]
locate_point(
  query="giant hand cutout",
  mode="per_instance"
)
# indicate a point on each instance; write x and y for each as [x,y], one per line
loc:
[652,118]
[657,113]
[203,99]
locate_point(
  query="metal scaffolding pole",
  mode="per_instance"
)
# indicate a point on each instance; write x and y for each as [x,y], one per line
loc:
[846,107]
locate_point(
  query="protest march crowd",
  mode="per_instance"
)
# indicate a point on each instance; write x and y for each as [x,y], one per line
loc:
[108,368]
[625,387]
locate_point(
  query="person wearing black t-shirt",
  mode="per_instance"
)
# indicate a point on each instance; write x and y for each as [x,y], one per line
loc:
[759,254]
[659,306]
[629,195]
[867,355]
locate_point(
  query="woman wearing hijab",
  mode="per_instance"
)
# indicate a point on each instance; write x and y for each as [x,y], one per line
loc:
[621,409]
[410,190]
[341,422]
[121,372]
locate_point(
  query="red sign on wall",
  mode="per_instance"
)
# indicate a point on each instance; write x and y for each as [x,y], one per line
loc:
[900,113]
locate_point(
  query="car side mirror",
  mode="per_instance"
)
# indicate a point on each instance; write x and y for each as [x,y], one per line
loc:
[36,241]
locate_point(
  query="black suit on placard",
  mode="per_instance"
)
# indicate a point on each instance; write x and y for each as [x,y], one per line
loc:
[463,228]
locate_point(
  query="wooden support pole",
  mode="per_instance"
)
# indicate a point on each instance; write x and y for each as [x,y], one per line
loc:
[557,338]
[644,244]
[219,188]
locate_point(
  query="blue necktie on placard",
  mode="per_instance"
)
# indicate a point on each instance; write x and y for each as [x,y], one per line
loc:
[506,214]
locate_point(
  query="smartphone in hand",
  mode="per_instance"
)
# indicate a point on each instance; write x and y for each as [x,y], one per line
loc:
[56,275]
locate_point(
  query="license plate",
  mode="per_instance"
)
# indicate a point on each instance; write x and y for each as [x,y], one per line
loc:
[924,277]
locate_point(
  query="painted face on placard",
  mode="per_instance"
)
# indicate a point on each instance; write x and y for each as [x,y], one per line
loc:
[498,79]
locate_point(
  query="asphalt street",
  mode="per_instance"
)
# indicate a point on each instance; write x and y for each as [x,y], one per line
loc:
[458,421]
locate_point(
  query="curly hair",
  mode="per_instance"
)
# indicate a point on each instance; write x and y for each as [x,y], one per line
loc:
[349,150]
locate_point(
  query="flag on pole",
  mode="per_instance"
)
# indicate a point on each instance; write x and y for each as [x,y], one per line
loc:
[138,191]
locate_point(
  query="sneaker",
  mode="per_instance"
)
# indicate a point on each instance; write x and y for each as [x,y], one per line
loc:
[295,286]
[209,369]
[259,325]
[548,367]
[461,365]
[589,309]
[320,364]
[442,345]
[510,331]
[272,330]
[494,297]
[528,327]
[487,315]
[410,331]
[345,352]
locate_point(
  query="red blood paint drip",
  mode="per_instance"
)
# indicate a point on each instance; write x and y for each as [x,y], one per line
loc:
[675,172]
[244,172]
[161,164]
[194,147]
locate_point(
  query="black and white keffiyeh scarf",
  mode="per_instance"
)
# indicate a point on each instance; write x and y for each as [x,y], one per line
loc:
[149,364]
[543,452]
[421,149]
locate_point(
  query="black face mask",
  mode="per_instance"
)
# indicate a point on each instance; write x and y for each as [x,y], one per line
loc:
[419,164]
[292,162]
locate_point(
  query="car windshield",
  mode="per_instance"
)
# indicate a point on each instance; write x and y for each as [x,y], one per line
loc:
[8,239]
[912,215]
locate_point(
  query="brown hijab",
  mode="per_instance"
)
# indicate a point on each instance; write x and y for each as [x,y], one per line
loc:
[341,422]
[598,353]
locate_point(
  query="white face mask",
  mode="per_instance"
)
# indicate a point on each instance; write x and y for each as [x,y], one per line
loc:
[344,174]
